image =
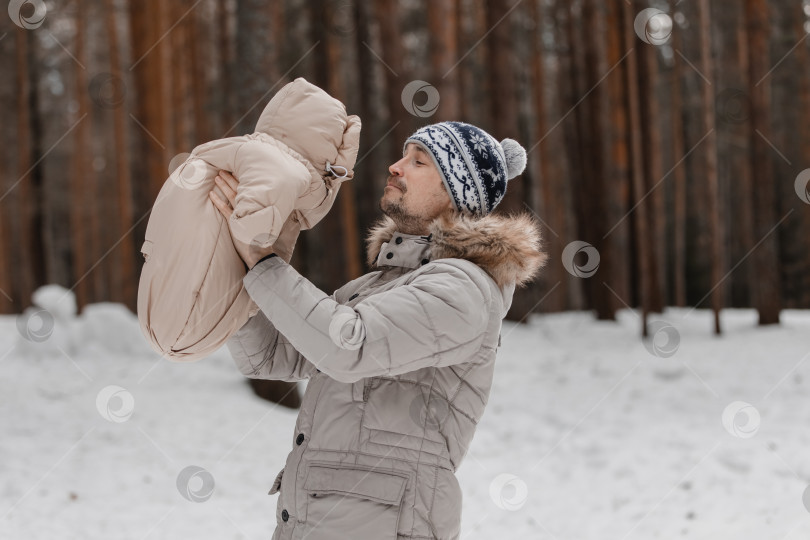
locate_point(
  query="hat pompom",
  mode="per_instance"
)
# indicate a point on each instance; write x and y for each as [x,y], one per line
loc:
[515,157]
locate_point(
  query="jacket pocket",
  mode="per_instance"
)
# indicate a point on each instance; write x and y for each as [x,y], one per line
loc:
[411,442]
[352,501]
[276,483]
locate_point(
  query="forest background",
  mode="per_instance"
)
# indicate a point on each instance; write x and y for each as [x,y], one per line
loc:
[668,142]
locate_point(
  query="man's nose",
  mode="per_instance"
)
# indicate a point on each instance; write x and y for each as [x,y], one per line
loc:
[396,168]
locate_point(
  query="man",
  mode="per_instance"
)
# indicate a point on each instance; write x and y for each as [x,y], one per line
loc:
[399,361]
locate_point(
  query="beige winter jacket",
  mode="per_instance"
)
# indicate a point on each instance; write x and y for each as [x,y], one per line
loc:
[191,298]
[400,364]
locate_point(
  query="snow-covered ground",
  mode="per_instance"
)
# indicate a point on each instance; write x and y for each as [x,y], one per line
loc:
[588,434]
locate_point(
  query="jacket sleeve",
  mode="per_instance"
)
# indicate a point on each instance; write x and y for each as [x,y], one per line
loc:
[270,182]
[261,352]
[438,319]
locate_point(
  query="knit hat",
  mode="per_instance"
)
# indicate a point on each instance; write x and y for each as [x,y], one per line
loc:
[473,165]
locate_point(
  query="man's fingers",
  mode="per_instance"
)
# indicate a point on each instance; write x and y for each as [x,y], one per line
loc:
[228,185]
[220,204]
[215,199]
[227,189]
[229,179]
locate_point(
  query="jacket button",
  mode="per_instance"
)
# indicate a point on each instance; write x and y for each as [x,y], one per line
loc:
[389,255]
[299,439]
[285,515]
[398,240]
[355,295]
[425,261]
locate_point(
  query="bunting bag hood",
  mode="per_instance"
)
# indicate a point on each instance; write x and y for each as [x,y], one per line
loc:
[190,296]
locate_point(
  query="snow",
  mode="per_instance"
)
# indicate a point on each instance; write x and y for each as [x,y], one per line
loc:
[587,434]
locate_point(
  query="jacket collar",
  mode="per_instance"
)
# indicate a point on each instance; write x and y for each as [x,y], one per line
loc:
[405,250]
[506,247]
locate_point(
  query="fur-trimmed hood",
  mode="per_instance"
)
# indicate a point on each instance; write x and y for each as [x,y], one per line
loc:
[508,248]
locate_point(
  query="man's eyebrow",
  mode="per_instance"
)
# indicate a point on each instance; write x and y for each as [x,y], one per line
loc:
[418,149]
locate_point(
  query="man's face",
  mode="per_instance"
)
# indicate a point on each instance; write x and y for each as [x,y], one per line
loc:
[414,195]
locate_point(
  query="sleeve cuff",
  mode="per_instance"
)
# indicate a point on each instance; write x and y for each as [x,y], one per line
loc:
[262,259]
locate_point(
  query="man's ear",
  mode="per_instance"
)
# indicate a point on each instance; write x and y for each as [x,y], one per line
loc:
[449,209]
[449,205]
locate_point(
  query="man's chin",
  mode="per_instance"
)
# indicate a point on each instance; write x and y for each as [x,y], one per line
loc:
[387,201]
[383,205]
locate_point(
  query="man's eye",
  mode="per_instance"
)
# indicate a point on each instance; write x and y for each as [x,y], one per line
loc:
[419,163]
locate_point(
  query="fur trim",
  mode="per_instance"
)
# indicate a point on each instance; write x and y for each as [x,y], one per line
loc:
[506,247]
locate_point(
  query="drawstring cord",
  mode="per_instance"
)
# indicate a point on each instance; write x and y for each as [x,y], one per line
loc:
[331,168]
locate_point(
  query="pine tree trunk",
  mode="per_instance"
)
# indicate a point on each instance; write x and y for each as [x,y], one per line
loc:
[370,173]
[9,138]
[541,158]
[745,178]
[18,196]
[765,283]
[678,176]
[151,72]
[710,149]
[124,278]
[442,18]
[181,96]
[225,49]
[393,52]
[639,215]
[81,174]
[653,192]
[504,114]
[802,270]
[617,180]
[256,73]
[788,42]
[503,98]
[330,255]
[202,126]
[349,235]
[596,128]
[569,94]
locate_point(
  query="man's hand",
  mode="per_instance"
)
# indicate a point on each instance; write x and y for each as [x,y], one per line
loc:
[228,184]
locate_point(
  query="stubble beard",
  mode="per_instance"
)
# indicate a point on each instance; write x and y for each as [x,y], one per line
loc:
[406,223]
